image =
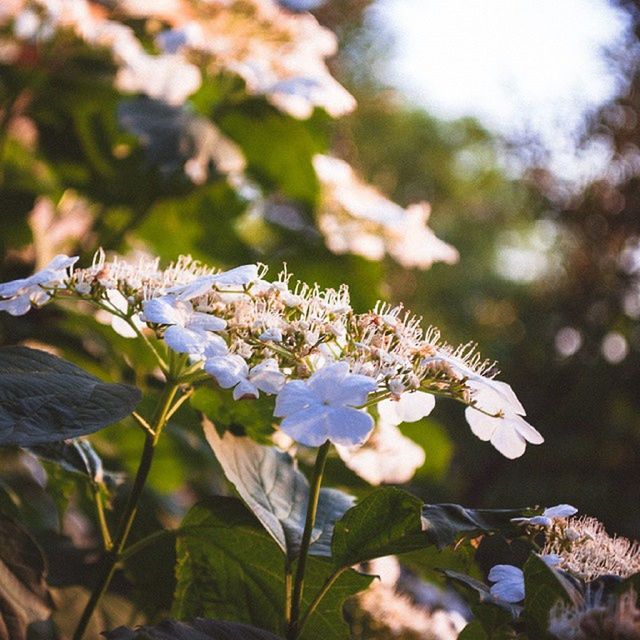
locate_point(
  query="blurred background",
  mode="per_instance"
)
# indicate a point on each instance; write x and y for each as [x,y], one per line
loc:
[518,124]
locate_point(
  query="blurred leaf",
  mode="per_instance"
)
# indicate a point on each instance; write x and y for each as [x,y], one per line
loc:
[229,568]
[46,399]
[24,597]
[277,493]
[253,418]
[278,148]
[76,456]
[197,630]
[446,522]
[386,522]
[113,611]
[544,587]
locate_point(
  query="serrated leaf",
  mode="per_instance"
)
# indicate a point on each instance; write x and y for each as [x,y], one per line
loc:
[24,597]
[276,492]
[229,568]
[46,399]
[543,588]
[386,522]
[445,523]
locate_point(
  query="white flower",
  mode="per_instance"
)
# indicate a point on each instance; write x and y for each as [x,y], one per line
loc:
[509,583]
[118,324]
[323,407]
[386,457]
[187,329]
[21,294]
[238,277]
[548,516]
[409,407]
[232,371]
[496,414]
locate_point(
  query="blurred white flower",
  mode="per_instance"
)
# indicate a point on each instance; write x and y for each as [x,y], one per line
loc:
[386,457]
[548,516]
[232,371]
[18,295]
[356,218]
[409,407]
[323,407]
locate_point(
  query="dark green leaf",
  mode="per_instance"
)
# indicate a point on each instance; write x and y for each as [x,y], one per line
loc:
[199,629]
[253,418]
[229,568]
[276,492]
[544,587]
[386,522]
[24,597]
[46,399]
[473,631]
[446,522]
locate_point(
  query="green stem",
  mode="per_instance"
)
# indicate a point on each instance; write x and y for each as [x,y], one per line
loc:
[312,508]
[288,590]
[316,601]
[107,542]
[112,557]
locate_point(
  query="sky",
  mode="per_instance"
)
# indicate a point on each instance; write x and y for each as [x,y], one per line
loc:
[517,65]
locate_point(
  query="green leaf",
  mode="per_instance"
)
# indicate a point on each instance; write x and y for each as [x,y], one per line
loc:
[544,587]
[473,631]
[196,630]
[276,492]
[24,597]
[229,568]
[253,418]
[446,522]
[46,399]
[386,522]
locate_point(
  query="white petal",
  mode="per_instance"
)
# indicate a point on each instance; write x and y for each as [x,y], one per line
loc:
[324,381]
[193,289]
[271,335]
[16,306]
[117,300]
[308,427]
[353,390]
[244,389]
[10,289]
[267,376]
[165,310]
[122,327]
[529,433]
[411,406]
[295,396]
[237,277]
[227,370]
[507,440]
[214,346]
[509,583]
[348,427]
[481,424]
[205,321]
[184,340]
[560,511]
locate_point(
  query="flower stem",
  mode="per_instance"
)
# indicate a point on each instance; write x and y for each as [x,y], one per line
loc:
[112,557]
[312,508]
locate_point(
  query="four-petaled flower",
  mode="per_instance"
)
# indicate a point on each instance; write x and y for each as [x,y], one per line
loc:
[21,294]
[187,329]
[323,407]
[232,371]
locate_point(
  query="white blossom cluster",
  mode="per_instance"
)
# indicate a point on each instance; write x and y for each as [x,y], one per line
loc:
[354,217]
[277,53]
[328,366]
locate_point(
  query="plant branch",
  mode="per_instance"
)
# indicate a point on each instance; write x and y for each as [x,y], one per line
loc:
[329,582]
[312,508]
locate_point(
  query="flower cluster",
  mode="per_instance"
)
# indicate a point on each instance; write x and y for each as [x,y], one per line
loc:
[278,53]
[327,365]
[356,218]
